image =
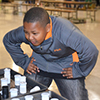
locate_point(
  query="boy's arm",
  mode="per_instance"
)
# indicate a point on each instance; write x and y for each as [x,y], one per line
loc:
[12,41]
[87,53]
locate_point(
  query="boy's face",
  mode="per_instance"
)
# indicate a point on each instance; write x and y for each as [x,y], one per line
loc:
[35,32]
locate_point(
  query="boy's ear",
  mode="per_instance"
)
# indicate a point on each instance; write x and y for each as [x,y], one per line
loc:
[48,26]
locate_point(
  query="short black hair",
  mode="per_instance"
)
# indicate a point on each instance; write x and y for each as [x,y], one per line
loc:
[37,14]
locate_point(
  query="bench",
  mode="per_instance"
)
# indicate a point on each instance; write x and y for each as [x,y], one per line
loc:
[62,10]
[28,5]
[89,15]
[14,6]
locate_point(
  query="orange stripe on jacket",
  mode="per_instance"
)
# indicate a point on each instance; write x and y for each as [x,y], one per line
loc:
[75,57]
[49,34]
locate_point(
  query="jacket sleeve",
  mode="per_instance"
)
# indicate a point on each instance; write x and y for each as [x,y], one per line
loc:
[12,41]
[86,50]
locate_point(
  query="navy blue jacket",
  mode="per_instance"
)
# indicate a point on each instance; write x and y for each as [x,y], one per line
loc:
[56,52]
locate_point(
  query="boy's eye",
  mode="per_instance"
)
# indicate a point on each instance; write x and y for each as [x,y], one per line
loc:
[34,33]
[25,32]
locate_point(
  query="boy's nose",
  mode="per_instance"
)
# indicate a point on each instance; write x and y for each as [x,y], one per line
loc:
[31,37]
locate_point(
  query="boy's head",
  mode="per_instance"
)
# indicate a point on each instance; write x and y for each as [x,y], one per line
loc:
[37,14]
[36,25]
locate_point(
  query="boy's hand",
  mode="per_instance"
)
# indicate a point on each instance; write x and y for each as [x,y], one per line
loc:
[67,72]
[32,68]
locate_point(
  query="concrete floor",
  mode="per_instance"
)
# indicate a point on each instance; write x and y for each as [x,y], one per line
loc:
[91,30]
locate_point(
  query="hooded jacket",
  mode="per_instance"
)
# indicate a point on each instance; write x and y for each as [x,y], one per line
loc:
[67,47]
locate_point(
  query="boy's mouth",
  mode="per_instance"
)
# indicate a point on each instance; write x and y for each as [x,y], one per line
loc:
[33,42]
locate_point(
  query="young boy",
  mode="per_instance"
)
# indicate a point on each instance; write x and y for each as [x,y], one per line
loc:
[60,52]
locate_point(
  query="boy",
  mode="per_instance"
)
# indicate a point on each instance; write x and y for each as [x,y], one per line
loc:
[60,52]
